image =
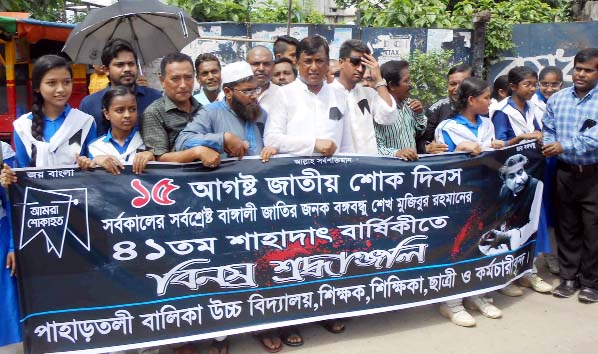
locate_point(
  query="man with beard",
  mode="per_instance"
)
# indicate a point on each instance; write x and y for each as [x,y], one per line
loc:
[120,60]
[207,69]
[167,116]
[518,205]
[261,61]
[365,105]
[234,126]
[441,110]
[310,116]
[570,132]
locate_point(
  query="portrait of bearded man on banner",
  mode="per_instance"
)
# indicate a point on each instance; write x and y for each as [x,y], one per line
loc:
[519,204]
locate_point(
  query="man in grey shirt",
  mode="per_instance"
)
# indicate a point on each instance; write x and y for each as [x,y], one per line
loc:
[234,126]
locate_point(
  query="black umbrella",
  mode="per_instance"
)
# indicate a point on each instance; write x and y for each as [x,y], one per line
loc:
[153,28]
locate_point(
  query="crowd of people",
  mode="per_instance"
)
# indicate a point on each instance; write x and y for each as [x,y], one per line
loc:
[297,101]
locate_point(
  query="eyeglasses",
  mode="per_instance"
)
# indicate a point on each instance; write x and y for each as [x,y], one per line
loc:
[355,61]
[250,92]
[554,85]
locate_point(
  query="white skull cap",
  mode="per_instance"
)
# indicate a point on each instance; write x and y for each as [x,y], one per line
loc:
[236,71]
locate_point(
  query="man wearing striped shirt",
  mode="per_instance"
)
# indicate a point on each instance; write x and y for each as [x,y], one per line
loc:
[398,139]
[570,132]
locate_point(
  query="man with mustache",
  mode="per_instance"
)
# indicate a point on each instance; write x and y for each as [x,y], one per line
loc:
[398,139]
[570,132]
[310,116]
[120,60]
[207,69]
[262,62]
[167,116]
[234,126]
[519,205]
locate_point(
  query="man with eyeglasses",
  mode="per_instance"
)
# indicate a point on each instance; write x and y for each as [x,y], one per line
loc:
[167,116]
[310,116]
[234,126]
[262,62]
[365,105]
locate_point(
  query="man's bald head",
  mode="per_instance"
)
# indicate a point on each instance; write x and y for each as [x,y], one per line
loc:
[261,60]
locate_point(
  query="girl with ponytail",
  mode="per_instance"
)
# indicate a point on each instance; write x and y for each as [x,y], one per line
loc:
[468,130]
[52,134]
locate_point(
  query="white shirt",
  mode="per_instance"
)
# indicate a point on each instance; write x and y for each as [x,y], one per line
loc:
[364,107]
[300,117]
[539,109]
[269,97]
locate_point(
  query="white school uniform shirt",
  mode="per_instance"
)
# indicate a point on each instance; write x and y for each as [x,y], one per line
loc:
[103,146]
[269,98]
[301,116]
[364,106]
[459,133]
[64,144]
[539,108]
[519,123]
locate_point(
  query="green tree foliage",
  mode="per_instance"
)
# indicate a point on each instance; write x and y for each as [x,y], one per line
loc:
[44,10]
[438,14]
[271,11]
[428,74]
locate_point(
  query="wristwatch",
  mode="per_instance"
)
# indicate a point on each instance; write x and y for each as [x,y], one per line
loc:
[380,83]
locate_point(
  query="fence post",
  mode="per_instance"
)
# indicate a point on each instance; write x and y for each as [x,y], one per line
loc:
[480,21]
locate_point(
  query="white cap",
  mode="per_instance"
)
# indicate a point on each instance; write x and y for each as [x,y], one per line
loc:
[236,71]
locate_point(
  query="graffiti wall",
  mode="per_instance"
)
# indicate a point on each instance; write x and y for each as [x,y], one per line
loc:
[385,43]
[539,45]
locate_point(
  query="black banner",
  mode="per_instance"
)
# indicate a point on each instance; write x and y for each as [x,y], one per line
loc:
[182,252]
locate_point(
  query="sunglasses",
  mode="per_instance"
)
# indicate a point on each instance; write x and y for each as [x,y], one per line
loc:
[355,61]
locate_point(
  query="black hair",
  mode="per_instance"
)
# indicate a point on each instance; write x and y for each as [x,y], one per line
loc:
[461,68]
[174,58]
[391,70]
[113,91]
[311,45]
[585,55]
[287,60]
[510,162]
[501,83]
[40,69]
[551,69]
[353,45]
[470,87]
[113,47]
[520,73]
[282,43]
[233,84]
[206,57]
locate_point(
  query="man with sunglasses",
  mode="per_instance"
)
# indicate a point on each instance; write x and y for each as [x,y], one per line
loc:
[310,116]
[234,126]
[365,105]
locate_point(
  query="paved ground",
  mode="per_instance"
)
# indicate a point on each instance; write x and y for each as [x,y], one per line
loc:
[534,323]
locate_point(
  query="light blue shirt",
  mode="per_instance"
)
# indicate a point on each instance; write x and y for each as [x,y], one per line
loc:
[210,123]
[566,121]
